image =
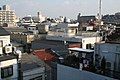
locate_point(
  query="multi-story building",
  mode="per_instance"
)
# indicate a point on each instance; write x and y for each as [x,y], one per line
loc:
[8,59]
[7,17]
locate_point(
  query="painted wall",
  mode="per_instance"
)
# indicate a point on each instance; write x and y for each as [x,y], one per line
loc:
[68,73]
[15,68]
[29,74]
[111,52]
[5,40]
[89,40]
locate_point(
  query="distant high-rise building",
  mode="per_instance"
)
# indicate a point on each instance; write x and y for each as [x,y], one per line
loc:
[6,7]
[7,17]
[40,16]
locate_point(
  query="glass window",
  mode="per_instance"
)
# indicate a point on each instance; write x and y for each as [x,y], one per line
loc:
[7,71]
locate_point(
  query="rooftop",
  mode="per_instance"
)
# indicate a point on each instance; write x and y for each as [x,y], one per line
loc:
[29,61]
[81,50]
[3,32]
[45,54]
[58,46]
[15,29]
[7,57]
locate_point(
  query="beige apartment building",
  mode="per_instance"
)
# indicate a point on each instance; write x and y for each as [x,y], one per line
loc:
[7,17]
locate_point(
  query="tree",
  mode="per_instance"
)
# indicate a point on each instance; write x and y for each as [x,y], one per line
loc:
[72,61]
[103,65]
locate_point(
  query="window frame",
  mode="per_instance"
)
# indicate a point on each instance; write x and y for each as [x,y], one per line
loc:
[7,70]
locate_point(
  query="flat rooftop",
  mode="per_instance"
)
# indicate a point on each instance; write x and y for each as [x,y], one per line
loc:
[81,50]
[7,57]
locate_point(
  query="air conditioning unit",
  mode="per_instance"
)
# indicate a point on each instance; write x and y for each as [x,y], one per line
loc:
[1,50]
[8,49]
[13,48]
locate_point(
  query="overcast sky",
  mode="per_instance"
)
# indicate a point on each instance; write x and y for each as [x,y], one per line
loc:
[55,8]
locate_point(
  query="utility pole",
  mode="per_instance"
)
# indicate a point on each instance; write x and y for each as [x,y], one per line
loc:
[99,14]
[100,8]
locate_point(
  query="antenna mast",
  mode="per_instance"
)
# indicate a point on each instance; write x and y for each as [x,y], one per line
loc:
[99,14]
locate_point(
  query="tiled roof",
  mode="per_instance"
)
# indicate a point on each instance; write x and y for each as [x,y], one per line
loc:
[44,55]
[30,61]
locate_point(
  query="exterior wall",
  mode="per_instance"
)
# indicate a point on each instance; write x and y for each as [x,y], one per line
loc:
[30,38]
[60,38]
[23,38]
[33,29]
[64,29]
[43,28]
[30,74]
[89,28]
[89,40]
[111,52]
[15,68]
[5,40]
[68,73]
[82,40]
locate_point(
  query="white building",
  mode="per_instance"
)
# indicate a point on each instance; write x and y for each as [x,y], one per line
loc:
[8,60]
[59,19]
[33,28]
[9,68]
[64,29]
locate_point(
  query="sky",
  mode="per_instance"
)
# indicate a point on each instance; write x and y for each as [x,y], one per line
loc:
[55,8]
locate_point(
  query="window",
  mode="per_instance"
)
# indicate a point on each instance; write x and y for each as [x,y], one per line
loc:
[7,71]
[37,78]
[1,43]
[88,46]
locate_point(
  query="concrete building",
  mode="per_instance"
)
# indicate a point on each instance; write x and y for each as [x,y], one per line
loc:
[43,27]
[63,29]
[84,41]
[33,28]
[68,73]
[8,67]
[22,37]
[68,33]
[85,56]
[8,58]
[32,68]
[111,52]
[60,19]
[7,17]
